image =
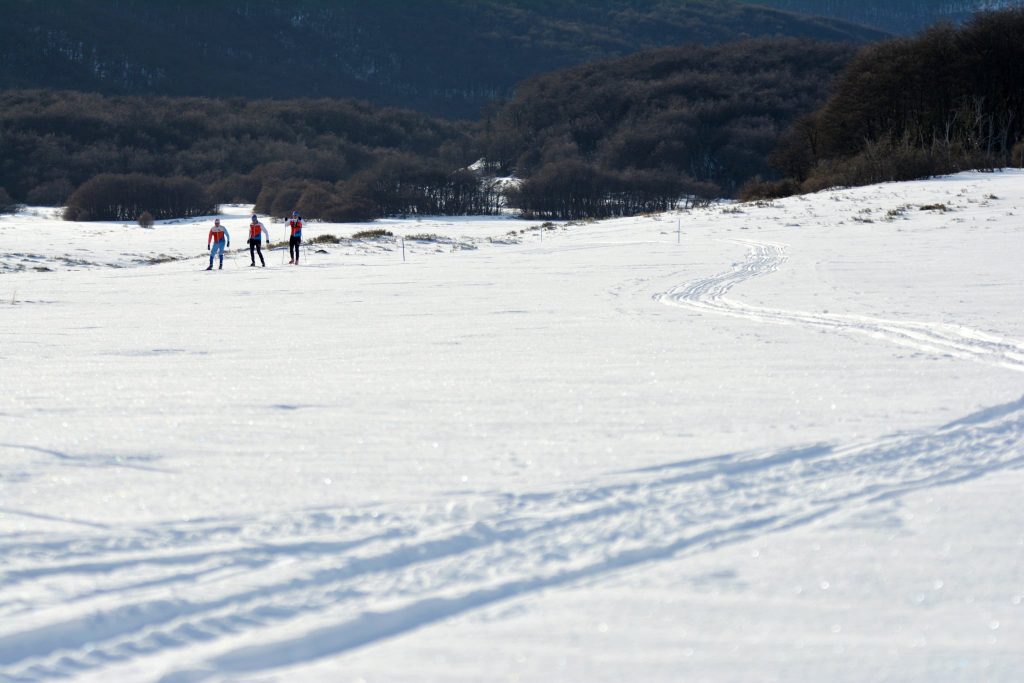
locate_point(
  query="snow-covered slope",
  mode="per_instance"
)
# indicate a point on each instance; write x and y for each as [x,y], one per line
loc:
[747,443]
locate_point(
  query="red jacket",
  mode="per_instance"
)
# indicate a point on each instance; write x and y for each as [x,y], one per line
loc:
[217,234]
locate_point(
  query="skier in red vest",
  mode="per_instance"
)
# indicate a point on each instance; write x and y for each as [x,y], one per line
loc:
[218,235]
[256,232]
[295,237]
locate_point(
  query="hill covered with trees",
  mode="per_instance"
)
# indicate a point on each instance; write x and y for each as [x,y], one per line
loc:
[612,137]
[697,120]
[445,57]
[638,133]
[946,100]
[54,141]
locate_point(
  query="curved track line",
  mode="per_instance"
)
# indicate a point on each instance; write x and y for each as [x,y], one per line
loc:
[709,295]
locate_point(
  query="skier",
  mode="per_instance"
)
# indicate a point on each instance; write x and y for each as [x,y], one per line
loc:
[295,239]
[218,234]
[255,236]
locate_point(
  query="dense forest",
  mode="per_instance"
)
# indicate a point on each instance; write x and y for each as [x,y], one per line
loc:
[949,99]
[639,132]
[702,118]
[53,141]
[445,57]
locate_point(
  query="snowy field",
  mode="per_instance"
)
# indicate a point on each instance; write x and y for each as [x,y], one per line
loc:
[785,443]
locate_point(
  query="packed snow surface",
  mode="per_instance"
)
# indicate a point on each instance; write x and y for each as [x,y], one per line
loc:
[772,442]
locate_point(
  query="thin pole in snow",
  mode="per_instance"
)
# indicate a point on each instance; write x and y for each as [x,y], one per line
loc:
[679,231]
[403,248]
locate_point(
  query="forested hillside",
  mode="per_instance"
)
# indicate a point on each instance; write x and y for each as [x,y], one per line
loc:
[53,141]
[704,118]
[647,129]
[445,57]
[610,137]
[896,16]
[946,100]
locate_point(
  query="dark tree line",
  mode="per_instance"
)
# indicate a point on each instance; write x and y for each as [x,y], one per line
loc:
[445,57]
[52,142]
[130,197]
[653,129]
[334,160]
[574,190]
[950,99]
[404,185]
[704,117]
[396,184]
[7,205]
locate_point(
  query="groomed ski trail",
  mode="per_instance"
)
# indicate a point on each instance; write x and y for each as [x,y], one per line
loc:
[709,295]
[229,595]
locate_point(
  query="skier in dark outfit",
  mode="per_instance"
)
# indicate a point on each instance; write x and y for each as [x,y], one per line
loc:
[295,237]
[256,232]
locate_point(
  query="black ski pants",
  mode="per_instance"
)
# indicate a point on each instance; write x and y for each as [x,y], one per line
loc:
[254,248]
[293,247]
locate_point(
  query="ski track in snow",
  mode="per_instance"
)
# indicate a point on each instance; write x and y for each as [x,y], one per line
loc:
[957,341]
[122,595]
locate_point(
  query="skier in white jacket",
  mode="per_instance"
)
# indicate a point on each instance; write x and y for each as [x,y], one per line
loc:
[218,235]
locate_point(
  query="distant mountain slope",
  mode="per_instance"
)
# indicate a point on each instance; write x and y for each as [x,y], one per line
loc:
[896,16]
[445,57]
